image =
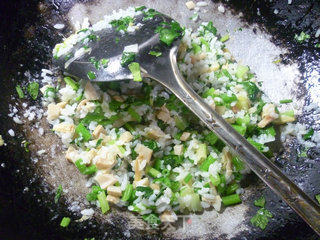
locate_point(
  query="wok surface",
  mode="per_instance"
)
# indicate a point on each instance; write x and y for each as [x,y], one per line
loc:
[26,197]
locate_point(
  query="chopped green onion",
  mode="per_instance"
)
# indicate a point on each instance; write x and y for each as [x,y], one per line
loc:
[33,90]
[187,178]
[240,129]
[211,137]
[237,163]
[241,71]
[69,81]
[206,163]
[134,114]
[261,218]
[152,144]
[180,122]
[134,68]
[209,27]
[215,180]
[232,188]
[65,222]
[196,48]
[302,37]
[104,205]
[91,75]
[231,199]
[84,169]
[152,172]
[152,219]
[127,58]
[19,91]
[209,92]
[260,202]
[225,38]
[252,90]
[83,132]
[127,193]
[286,101]
[137,9]
[204,42]
[92,196]
[169,34]
[318,198]
[156,54]
[58,194]
[308,135]
[104,62]
[122,23]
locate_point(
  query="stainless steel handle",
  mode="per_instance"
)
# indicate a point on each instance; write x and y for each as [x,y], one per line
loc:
[262,166]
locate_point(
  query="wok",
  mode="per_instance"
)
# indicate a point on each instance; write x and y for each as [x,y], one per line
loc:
[28,181]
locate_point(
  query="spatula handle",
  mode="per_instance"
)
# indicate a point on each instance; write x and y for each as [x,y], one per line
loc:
[262,166]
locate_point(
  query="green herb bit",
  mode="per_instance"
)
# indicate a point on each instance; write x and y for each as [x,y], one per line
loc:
[91,75]
[152,219]
[152,144]
[104,205]
[84,169]
[286,101]
[134,114]
[51,90]
[231,199]
[127,193]
[127,58]
[209,27]
[134,68]
[317,45]
[309,134]
[261,218]
[277,61]
[19,91]
[252,90]
[215,180]
[33,90]
[206,163]
[141,8]
[260,202]
[225,38]
[150,14]
[318,198]
[187,178]
[302,37]
[58,194]
[65,222]
[122,23]
[73,84]
[95,62]
[104,62]
[156,54]
[152,172]
[26,145]
[83,132]
[169,33]
[147,191]
[117,40]
[93,195]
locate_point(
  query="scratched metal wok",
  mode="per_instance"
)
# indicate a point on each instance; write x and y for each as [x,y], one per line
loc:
[258,38]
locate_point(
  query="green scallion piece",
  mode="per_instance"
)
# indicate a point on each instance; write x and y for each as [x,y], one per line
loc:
[19,91]
[58,194]
[215,180]
[134,68]
[134,114]
[86,170]
[225,38]
[104,62]
[152,172]
[231,199]
[33,90]
[318,198]
[127,193]
[104,205]
[73,84]
[65,222]
[260,202]
[308,135]
[240,129]
[286,101]
[83,132]
[91,75]
[187,178]
[206,163]
[156,54]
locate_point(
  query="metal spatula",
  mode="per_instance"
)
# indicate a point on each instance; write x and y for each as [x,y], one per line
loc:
[164,69]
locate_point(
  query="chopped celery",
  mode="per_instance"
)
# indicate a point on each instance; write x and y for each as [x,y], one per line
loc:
[104,205]
[206,163]
[231,199]
[134,67]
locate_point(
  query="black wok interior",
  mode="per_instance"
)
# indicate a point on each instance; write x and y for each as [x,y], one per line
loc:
[27,210]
